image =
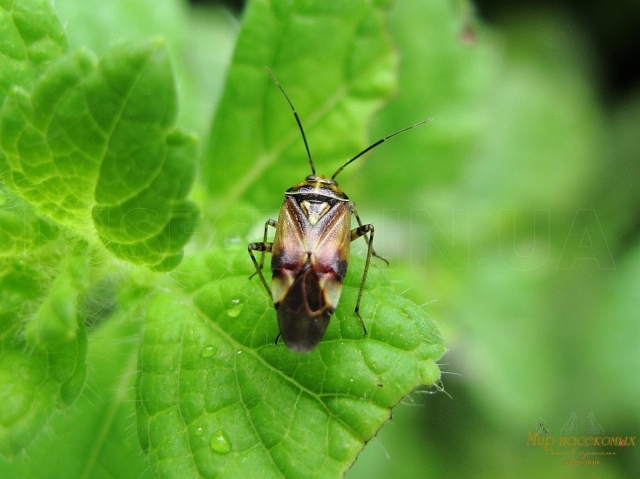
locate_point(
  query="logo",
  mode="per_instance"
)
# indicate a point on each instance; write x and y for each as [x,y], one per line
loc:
[578,442]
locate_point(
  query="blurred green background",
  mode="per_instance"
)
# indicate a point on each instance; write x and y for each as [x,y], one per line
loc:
[513,218]
[523,233]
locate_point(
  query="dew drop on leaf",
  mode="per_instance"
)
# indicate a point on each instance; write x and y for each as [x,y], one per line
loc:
[199,431]
[209,351]
[219,443]
[235,309]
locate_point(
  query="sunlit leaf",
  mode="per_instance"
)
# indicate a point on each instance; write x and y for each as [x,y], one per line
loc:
[335,85]
[101,426]
[218,398]
[95,146]
[31,38]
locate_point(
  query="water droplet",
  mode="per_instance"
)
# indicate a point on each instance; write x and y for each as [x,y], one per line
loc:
[199,431]
[235,309]
[219,443]
[239,352]
[350,380]
[209,351]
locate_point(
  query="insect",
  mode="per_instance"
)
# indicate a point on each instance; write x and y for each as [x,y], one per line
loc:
[310,251]
[541,428]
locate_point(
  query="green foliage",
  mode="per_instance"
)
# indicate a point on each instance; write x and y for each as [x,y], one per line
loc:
[335,84]
[94,142]
[97,437]
[94,213]
[218,397]
[56,320]
[512,218]
[28,46]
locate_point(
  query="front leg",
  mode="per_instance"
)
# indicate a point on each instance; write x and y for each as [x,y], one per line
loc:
[366,238]
[268,223]
[264,247]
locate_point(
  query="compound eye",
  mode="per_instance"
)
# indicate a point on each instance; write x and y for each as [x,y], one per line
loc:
[312,178]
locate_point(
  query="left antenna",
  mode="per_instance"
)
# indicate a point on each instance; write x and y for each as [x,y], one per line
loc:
[295,113]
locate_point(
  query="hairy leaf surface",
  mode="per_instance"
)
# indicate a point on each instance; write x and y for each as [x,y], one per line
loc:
[219,399]
[94,147]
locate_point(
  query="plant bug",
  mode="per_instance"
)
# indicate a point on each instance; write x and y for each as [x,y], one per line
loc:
[310,251]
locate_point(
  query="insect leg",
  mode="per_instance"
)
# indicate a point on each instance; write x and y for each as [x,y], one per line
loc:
[265,248]
[362,230]
[373,251]
[266,226]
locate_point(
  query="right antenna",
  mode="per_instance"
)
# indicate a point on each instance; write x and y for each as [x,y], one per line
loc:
[382,140]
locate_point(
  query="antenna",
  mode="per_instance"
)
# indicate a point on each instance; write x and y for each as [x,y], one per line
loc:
[376,144]
[306,145]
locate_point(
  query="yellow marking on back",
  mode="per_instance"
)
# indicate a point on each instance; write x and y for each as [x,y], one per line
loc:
[314,210]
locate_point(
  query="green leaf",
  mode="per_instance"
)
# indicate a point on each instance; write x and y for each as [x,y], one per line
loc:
[56,320]
[35,381]
[94,146]
[89,155]
[218,398]
[97,440]
[441,77]
[67,148]
[30,38]
[100,25]
[21,230]
[21,287]
[335,83]
[33,385]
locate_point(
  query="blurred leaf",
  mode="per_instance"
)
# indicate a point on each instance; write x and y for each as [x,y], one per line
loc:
[37,379]
[441,77]
[21,230]
[102,25]
[31,37]
[33,385]
[218,397]
[56,321]
[520,193]
[610,338]
[212,36]
[543,135]
[614,192]
[335,85]
[96,439]
[515,124]
[67,148]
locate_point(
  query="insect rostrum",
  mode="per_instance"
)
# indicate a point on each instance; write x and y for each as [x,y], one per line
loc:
[310,252]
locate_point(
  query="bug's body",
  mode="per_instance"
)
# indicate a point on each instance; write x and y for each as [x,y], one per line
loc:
[309,259]
[310,253]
